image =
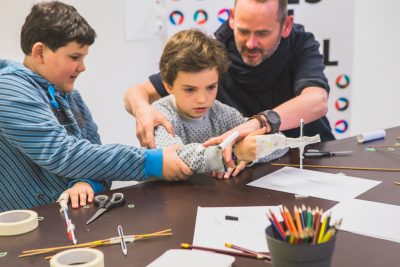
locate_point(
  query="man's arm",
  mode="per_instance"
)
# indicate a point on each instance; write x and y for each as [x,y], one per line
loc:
[310,105]
[140,95]
[137,102]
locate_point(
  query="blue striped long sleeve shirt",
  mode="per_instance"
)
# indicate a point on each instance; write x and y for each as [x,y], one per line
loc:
[43,148]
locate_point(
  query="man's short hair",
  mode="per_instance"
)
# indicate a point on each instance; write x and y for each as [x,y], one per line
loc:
[55,24]
[282,10]
[191,51]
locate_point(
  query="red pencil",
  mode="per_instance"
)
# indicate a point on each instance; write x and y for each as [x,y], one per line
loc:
[265,255]
[227,252]
[280,228]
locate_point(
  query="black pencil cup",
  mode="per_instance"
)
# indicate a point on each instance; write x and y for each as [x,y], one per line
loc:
[284,254]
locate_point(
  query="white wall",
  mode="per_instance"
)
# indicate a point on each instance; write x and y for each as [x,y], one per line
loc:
[114,64]
[376,66]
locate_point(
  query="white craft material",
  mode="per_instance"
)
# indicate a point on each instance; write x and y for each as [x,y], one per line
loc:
[365,137]
[17,222]
[78,257]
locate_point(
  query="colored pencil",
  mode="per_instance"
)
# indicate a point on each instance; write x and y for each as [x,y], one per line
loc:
[309,218]
[287,212]
[265,255]
[275,225]
[316,212]
[226,252]
[304,213]
[322,230]
[298,220]
[285,220]
[313,218]
[328,220]
[280,228]
[328,236]
[317,226]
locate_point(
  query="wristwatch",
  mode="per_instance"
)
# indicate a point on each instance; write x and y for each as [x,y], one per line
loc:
[273,119]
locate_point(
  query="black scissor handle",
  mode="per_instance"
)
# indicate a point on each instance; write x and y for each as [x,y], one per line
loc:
[117,199]
[101,200]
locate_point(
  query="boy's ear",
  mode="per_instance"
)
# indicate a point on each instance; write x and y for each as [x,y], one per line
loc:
[167,87]
[37,52]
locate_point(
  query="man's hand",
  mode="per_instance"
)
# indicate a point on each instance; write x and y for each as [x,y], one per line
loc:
[79,193]
[136,100]
[245,149]
[174,169]
[244,129]
[146,119]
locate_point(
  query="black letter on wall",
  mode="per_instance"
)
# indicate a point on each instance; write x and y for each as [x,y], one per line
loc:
[327,62]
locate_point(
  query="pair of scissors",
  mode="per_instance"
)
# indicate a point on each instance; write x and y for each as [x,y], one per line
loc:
[105,203]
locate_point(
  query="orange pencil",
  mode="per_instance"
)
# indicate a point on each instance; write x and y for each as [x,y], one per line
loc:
[298,222]
[285,220]
[287,212]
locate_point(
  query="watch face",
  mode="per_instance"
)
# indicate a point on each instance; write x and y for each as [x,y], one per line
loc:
[273,117]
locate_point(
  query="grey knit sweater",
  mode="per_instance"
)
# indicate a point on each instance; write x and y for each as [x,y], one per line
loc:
[191,133]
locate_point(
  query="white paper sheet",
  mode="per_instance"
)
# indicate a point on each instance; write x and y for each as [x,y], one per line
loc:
[192,258]
[213,230]
[314,183]
[368,218]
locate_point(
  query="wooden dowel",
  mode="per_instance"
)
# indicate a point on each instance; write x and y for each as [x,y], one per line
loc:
[378,146]
[338,167]
[32,252]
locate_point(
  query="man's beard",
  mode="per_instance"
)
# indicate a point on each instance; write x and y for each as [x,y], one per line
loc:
[264,54]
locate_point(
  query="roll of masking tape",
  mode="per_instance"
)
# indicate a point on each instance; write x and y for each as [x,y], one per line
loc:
[78,257]
[16,222]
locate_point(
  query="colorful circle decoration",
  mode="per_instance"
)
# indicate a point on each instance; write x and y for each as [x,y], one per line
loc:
[342,81]
[223,15]
[342,103]
[200,17]
[176,18]
[341,126]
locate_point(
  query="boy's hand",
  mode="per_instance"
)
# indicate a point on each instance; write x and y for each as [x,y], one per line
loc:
[244,129]
[174,169]
[79,193]
[245,149]
[146,120]
[230,172]
[235,171]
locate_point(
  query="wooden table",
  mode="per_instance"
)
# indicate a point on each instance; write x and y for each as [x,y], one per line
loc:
[161,205]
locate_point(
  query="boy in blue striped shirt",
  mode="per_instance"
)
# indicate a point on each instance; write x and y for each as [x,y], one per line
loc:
[47,135]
